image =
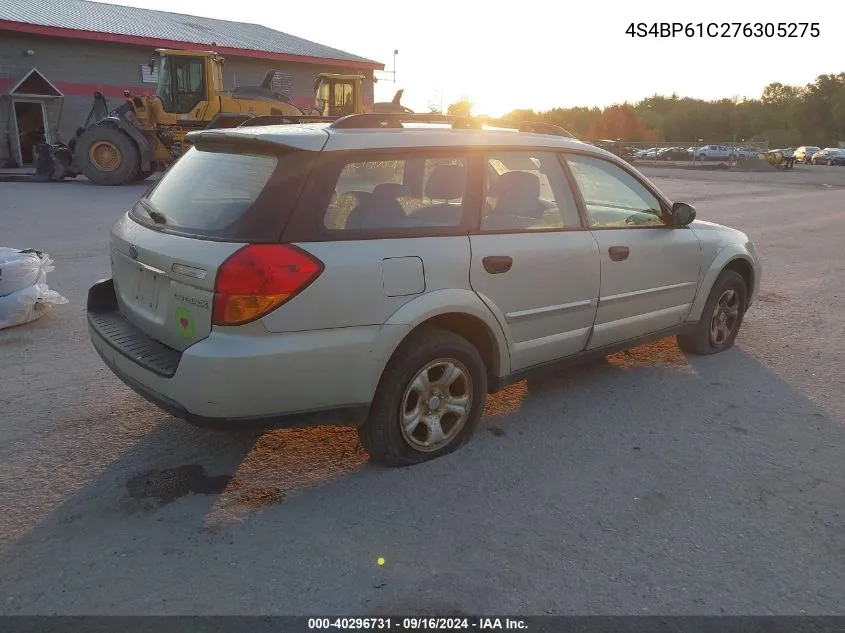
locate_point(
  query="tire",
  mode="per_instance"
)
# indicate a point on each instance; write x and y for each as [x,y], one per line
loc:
[111,147]
[425,351]
[701,341]
[143,175]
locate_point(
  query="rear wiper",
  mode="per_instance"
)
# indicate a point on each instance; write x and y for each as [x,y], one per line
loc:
[156,217]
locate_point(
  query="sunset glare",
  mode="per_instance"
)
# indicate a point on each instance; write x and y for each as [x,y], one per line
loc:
[550,54]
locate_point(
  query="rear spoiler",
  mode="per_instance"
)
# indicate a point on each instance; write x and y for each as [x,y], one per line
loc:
[226,139]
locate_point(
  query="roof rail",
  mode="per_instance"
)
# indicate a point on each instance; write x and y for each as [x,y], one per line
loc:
[395,120]
[531,127]
[387,120]
[539,127]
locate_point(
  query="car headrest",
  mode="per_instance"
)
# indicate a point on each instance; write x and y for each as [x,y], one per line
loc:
[390,189]
[518,193]
[375,212]
[446,182]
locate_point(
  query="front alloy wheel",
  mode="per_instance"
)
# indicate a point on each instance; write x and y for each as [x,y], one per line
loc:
[725,317]
[721,317]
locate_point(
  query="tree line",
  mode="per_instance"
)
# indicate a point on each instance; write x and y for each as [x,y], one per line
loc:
[784,115]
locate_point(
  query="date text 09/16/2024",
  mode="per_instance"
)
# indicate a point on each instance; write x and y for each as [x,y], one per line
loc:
[724,29]
[417,624]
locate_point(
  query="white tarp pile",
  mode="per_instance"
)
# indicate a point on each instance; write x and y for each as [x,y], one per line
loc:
[24,295]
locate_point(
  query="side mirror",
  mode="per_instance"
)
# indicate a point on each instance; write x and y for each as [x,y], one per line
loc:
[682,214]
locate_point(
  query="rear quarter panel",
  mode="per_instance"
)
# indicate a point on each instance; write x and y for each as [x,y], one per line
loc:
[351,289]
[460,301]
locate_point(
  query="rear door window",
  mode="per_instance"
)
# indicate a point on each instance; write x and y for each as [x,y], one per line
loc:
[527,190]
[225,195]
[405,195]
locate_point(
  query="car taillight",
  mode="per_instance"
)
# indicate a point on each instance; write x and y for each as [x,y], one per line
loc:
[258,279]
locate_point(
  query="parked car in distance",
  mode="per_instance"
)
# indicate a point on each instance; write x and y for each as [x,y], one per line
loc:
[804,154]
[829,156]
[649,153]
[673,153]
[615,147]
[714,152]
[348,273]
[747,152]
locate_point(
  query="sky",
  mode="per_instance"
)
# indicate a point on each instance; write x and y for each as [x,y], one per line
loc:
[544,54]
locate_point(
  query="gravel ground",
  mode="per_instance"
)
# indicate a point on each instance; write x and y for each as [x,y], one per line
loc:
[644,483]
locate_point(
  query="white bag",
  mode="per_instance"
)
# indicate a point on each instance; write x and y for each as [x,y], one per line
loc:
[22,269]
[27,305]
[24,295]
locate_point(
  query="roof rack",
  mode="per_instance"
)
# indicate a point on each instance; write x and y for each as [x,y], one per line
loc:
[387,120]
[539,127]
[395,120]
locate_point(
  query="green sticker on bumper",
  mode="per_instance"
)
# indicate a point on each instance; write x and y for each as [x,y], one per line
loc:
[184,322]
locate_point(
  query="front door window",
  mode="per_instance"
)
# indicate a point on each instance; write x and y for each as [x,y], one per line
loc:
[612,196]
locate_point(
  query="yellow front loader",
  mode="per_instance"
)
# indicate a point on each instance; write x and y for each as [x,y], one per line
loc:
[147,133]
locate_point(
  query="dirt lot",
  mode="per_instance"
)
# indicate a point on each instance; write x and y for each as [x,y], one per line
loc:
[644,483]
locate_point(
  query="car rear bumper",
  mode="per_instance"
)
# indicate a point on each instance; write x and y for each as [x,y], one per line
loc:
[233,379]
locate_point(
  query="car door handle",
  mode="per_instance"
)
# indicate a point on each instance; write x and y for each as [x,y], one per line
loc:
[495,264]
[618,253]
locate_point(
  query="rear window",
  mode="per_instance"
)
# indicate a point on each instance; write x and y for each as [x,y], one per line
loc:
[225,195]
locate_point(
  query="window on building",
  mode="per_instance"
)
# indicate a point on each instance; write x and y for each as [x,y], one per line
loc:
[148,75]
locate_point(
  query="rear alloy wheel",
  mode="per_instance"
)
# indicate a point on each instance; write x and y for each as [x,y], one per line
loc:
[107,156]
[436,405]
[721,318]
[429,400]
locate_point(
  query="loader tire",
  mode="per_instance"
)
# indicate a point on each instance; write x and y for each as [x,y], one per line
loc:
[107,156]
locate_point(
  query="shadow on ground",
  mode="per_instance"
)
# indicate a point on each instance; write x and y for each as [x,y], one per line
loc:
[644,483]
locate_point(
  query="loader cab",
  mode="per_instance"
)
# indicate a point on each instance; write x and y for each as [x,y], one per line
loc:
[186,79]
[338,95]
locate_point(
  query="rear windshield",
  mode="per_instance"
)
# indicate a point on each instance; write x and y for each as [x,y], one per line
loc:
[225,195]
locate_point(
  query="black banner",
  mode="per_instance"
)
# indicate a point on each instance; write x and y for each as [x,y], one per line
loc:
[544,624]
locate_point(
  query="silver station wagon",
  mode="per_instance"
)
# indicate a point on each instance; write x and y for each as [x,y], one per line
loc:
[388,272]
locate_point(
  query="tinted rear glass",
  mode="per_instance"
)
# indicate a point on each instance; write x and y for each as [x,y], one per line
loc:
[225,195]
